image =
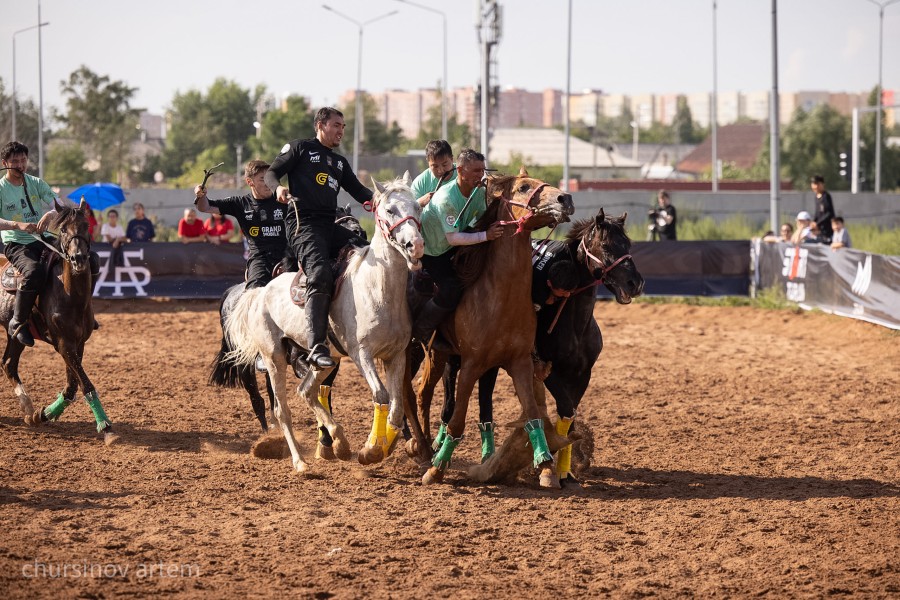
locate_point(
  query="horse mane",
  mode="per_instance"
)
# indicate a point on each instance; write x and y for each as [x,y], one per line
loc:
[65,214]
[469,260]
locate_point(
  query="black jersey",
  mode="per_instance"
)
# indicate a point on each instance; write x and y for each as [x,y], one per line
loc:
[315,176]
[551,253]
[261,221]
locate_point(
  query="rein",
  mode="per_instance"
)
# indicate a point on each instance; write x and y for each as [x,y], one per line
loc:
[385,226]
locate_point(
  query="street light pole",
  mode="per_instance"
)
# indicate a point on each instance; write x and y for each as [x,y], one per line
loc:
[14,97]
[40,99]
[714,120]
[444,81]
[881,6]
[357,126]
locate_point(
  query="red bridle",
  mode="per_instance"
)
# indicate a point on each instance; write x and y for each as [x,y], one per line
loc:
[520,222]
[604,270]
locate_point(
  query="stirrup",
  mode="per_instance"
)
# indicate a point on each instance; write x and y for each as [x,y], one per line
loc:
[320,357]
[21,333]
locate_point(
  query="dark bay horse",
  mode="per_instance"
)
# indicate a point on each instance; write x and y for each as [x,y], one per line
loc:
[494,323]
[63,318]
[568,336]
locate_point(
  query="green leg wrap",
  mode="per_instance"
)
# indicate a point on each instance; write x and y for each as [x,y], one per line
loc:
[535,429]
[487,440]
[55,410]
[442,458]
[93,401]
[439,440]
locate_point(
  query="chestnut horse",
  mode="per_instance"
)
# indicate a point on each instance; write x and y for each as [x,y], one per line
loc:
[64,318]
[494,323]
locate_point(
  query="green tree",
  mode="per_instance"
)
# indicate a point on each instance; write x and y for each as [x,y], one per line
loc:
[686,131]
[811,145]
[459,134]
[99,118]
[890,157]
[65,165]
[281,126]
[379,138]
[26,121]
[198,122]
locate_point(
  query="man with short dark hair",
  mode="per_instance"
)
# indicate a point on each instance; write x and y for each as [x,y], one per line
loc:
[824,208]
[440,171]
[664,219]
[26,208]
[260,218]
[454,208]
[316,173]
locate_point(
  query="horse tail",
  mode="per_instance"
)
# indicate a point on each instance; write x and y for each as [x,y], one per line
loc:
[224,372]
[239,331]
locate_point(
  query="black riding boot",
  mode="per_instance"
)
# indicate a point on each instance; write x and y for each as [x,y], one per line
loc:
[428,320]
[317,315]
[18,325]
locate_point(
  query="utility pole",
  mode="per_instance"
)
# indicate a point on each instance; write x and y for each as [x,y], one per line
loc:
[489,26]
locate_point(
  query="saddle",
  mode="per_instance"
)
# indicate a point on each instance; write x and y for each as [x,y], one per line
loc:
[10,278]
[338,270]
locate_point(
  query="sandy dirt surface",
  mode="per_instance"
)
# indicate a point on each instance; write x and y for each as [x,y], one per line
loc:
[737,453]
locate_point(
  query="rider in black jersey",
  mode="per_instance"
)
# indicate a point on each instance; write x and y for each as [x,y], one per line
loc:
[315,175]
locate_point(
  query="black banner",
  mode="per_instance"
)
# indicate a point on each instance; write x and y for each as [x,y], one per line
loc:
[168,269]
[845,282]
[714,268]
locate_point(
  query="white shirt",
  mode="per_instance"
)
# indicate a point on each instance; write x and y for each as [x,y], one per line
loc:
[112,232]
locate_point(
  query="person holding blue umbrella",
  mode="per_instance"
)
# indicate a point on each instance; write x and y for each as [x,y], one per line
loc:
[26,208]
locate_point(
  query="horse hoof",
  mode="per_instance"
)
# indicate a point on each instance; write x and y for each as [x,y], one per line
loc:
[341,445]
[301,467]
[109,438]
[412,448]
[35,419]
[432,475]
[570,482]
[325,452]
[548,479]
[370,455]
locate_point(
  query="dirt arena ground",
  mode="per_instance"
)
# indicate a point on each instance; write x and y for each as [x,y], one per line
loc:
[738,453]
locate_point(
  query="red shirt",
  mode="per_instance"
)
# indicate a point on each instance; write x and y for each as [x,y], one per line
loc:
[223,227]
[193,230]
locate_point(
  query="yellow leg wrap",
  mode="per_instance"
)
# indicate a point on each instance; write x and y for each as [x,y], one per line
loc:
[378,434]
[324,391]
[564,457]
[392,433]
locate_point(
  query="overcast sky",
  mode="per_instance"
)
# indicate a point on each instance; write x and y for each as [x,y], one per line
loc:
[296,46]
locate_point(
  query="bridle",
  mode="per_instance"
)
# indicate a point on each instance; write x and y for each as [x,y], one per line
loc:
[530,212]
[604,270]
[386,227]
[64,242]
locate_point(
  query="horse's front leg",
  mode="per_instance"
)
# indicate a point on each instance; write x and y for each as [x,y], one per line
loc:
[522,372]
[72,354]
[317,396]
[11,368]
[377,444]
[277,376]
[455,428]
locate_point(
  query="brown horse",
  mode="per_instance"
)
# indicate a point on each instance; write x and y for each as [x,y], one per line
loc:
[63,318]
[494,324]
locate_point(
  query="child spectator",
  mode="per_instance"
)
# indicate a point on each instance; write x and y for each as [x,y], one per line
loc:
[190,228]
[784,234]
[840,237]
[111,232]
[218,228]
[140,228]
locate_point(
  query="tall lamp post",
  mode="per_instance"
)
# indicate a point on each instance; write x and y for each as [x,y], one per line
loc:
[14,97]
[881,6]
[444,80]
[714,120]
[358,95]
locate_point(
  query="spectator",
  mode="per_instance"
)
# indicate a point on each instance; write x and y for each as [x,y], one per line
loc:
[804,231]
[663,219]
[190,228]
[824,208]
[840,237]
[92,222]
[111,232]
[218,228]
[784,234]
[140,228]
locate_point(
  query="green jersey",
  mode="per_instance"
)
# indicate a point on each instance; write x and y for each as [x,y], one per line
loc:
[14,206]
[427,182]
[441,216]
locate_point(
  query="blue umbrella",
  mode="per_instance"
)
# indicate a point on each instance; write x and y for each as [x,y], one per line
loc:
[99,195]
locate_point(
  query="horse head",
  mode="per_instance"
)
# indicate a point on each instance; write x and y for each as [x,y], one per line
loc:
[74,235]
[605,249]
[530,202]
[398,217]
[344,217]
